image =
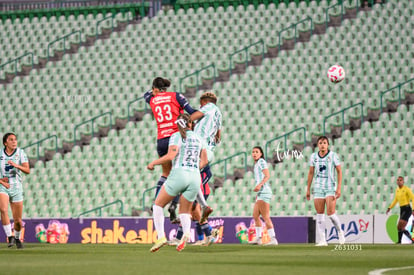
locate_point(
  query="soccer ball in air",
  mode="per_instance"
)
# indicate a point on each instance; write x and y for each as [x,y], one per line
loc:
[336,73]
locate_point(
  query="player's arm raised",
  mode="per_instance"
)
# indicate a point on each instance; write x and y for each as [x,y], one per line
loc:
[196,115]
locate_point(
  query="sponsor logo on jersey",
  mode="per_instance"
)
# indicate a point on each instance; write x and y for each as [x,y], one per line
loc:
[161,99]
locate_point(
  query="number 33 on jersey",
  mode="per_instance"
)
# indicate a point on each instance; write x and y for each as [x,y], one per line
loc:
[167,107]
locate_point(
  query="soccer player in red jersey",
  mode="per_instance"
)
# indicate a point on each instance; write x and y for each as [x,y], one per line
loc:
[166,107]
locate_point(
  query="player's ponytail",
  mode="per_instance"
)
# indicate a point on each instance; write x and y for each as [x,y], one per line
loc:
[161,83]
[167,83]
[183,123]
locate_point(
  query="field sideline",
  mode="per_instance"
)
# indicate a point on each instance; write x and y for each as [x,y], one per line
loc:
[216,259]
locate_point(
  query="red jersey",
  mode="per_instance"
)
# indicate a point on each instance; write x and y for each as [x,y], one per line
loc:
[166,109]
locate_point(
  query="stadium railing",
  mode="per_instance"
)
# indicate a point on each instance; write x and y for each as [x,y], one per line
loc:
[99,208]
[102,20]
[64,38]
[228,159]
[92,120]
[342,112]
[139,99]
[285,136]
[37,143]
[197,76]
[392,89]
[246,56]
[14,61]
[295,26]
[341,14]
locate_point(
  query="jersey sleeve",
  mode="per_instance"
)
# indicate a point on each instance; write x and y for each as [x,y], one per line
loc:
[203,109]
[147,96]
[336,160]
[204,144]
[411,196]
[312,160]
[220,121]
[263,164]
[174,139]
[184,103]
[23,156]
[394,202]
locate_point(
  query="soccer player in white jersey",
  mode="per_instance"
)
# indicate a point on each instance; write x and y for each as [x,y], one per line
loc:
[208,127]
[264,195]
[326,189]
[14,162]
[187,151]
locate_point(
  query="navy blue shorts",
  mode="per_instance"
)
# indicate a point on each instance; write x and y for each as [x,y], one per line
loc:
[162,146]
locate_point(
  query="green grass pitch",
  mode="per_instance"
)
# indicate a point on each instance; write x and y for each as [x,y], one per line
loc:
[216,259]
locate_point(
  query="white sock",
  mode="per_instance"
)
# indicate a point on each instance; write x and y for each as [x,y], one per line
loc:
[320,224]
[258,231]
[271,233]
[17,234]
[158,216]
[7,229]
[335,220]
[200,199]
[185,220]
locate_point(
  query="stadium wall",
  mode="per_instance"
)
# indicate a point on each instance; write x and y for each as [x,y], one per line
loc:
[141,230]
[358,229]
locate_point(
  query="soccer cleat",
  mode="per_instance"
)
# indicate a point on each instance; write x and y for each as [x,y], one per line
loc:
[158,244]
[209,240]
[174,242]
[11,241]
[183,242]
[199,242]
[19,244]
[256,240]
[206,212]
[322,243]
[273,241]
[341,237]
[215,233]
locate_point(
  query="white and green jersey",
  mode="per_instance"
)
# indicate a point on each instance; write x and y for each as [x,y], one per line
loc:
[14,174]
[260,165]
[189,150]
[208,126]
[324,175]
